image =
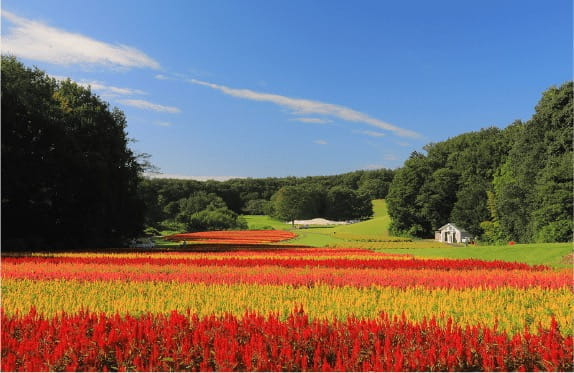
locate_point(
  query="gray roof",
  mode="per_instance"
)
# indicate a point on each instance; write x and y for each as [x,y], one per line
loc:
[454,226]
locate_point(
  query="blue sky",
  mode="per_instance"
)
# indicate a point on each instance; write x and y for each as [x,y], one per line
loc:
[295,88]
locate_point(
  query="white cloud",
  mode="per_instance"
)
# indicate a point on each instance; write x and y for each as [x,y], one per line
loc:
[146,105]
[303,107]
[371,133]
[320,142]
[37,41]
[102,88]
[187,177]
[162,77]
[111,91]
[311,120]
[403,143]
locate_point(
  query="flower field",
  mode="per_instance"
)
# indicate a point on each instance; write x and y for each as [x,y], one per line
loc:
[282,308]
[234,237]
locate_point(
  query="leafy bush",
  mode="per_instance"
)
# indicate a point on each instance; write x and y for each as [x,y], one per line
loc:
[215,218]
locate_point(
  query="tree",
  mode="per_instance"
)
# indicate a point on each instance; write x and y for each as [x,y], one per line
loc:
[438,196]
[68,176]
[183,210]
[257,207]
[343,203]
[294,202]
[405,212]
[533,189]
[215,218]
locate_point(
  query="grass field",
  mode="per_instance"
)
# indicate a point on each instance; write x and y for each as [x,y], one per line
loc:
[325,236]
[546,253]
[376,230]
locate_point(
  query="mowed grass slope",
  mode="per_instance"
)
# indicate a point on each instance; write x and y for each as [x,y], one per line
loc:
[378,225]
[319,236]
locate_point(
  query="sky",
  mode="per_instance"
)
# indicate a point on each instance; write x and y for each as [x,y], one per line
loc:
[257,88]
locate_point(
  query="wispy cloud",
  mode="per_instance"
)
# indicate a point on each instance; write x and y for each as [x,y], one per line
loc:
[320,142]
[38,41]
[162,77]
[146,105]
[111,91]
[311,120]
[306,107]
[371,133]
[103,88]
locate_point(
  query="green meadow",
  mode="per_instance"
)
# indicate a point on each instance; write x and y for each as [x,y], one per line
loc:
[376,229]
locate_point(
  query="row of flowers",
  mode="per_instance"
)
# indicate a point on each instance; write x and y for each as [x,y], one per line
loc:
[511,308]
[255,237]
[185,342]
[295,276]
[332,262]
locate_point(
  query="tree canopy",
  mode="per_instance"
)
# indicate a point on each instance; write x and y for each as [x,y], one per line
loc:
[511,184]
[69,178]
[253,196]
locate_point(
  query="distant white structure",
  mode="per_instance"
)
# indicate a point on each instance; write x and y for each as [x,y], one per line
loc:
[450,233]
[318,221]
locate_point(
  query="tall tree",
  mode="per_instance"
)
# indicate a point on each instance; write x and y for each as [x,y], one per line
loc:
[343,203]
[534,187]
[68,176]
[294,202]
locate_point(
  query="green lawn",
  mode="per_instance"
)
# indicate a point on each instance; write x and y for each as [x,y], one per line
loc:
[545,253]
[378,225]
[263,221]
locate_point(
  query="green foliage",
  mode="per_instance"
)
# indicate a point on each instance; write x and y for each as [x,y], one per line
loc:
[534,187]
[294,202]
[258,207]
[252,196]
[343,203]
[402,204]
[527,168]
[151,231]
[215,218]
[195,203]
[68,176]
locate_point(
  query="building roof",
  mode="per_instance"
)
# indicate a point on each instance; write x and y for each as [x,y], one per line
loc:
[452,225]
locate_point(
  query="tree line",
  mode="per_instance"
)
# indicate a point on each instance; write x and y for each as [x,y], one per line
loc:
[499,184]
[173,204]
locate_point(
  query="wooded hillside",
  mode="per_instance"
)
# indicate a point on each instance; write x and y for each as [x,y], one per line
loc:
[510,184]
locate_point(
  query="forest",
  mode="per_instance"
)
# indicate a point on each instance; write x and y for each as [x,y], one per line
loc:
[511,184]
[69,178]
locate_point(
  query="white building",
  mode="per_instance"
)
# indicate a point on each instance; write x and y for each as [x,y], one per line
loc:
[450,233]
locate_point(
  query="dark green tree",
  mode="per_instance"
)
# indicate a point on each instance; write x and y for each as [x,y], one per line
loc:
[215,218]
[69,179]
[343,203]
[405,212]
[294,202]
[533,190]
